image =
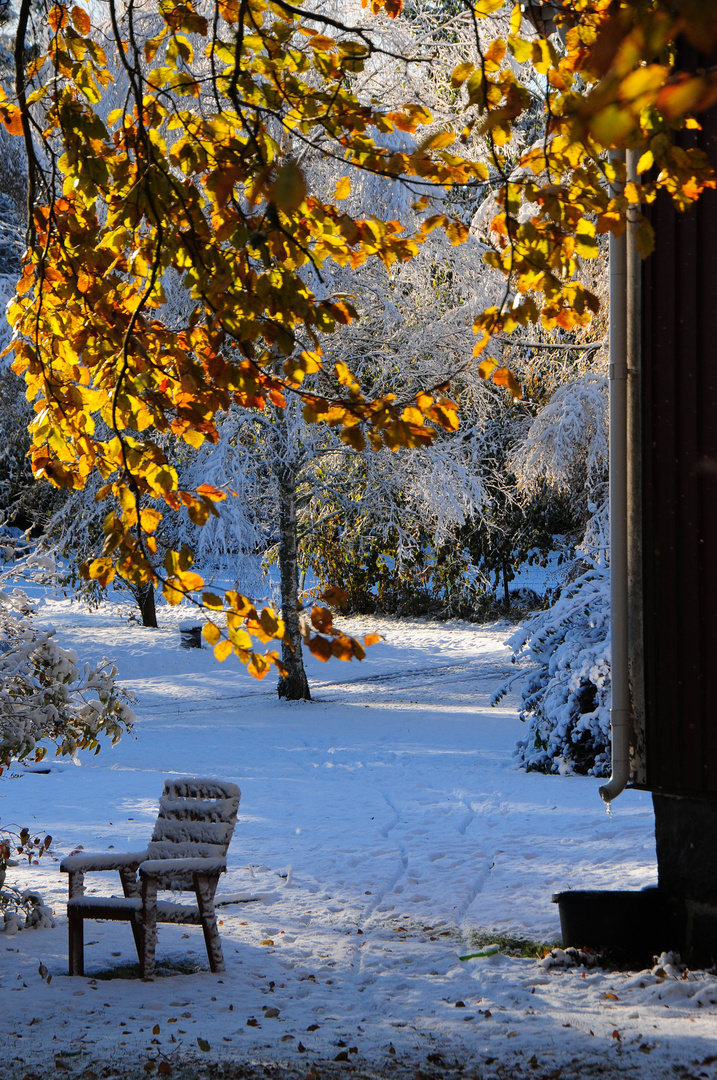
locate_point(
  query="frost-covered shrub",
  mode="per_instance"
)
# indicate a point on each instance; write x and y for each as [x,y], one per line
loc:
[566,698]
[45,696]
[22,908]
[45,693]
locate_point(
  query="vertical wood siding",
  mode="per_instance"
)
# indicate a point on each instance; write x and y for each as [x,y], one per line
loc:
[679,447]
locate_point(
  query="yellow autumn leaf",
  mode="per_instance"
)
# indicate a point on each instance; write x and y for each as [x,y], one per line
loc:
[345,376]
[222,650]
[211,633]
[239,638]
[100,570]
[461,73]
[646,161]
[212,601]
[522,50]
[343,189]
[483,8]
[289,189]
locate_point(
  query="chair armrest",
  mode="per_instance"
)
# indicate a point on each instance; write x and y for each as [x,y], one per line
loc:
[128,860]
[161,867]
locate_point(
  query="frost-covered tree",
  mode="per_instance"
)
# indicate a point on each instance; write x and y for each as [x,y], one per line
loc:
[305,491]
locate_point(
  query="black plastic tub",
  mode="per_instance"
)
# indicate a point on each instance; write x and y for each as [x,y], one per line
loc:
[637,925]
[190,635]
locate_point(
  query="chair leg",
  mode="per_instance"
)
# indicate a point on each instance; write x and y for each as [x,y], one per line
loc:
[205,888]
[75,945]
[138,934]
[132,887]
[148,932]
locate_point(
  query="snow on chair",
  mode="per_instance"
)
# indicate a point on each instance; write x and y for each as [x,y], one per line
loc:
[187,851]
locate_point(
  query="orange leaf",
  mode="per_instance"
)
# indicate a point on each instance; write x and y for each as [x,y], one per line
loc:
[81,20]
[258,666]
[342,648]
[57,17]
[504,377]
[12,119]
[210,492]
[484,339]
[321,648]
[321,619]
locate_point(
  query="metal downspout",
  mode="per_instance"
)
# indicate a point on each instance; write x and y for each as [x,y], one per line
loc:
[619,364]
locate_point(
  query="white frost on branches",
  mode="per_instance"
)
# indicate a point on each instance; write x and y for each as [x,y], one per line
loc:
[567,443]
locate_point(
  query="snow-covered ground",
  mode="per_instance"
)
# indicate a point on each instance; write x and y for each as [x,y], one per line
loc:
[383,834]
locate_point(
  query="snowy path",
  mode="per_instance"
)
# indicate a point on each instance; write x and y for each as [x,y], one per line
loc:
[382,830]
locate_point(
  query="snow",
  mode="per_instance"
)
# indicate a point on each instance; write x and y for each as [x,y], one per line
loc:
[383,833]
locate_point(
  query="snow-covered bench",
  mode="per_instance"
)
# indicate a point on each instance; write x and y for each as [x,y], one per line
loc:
[187,851]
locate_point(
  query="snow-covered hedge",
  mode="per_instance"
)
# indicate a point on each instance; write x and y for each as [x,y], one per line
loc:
[566,697]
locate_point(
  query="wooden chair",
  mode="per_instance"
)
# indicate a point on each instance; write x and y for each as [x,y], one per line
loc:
[187,851]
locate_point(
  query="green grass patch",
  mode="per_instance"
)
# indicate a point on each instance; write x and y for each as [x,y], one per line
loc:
[510,946]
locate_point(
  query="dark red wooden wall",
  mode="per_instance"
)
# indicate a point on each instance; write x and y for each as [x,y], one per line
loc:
[679,456]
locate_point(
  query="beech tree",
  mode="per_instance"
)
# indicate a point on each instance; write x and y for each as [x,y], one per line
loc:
[200,171]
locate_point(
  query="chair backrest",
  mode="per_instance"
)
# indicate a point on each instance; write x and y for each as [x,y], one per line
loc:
[196,819]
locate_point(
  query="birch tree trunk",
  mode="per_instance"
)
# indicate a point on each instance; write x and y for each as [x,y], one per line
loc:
[295,686]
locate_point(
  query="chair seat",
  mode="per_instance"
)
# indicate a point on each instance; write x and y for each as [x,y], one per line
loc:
[125,907]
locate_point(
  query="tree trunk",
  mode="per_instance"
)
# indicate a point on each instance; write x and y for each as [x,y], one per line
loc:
[294,686]
[506,591]
[144,595]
